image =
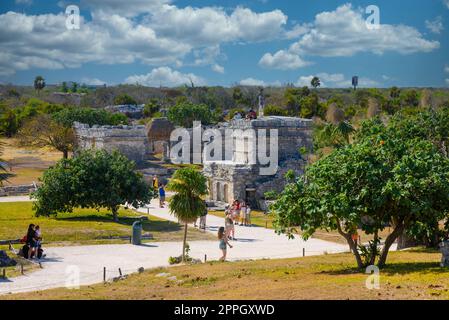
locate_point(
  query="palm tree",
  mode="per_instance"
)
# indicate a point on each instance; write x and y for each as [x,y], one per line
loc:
[316,82]
[39,83]
[187,204]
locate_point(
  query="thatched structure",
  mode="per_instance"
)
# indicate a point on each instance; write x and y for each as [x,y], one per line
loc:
[159,131]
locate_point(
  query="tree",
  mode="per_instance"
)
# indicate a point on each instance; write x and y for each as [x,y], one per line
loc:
[151,108]
[8,121]
[74,88]
[92,179]
[39,83]
[315,82]
[190,186]
[89,116]
[64,87]
[381,179]
[272,110]
[124,99]
[44,131]
[183,114]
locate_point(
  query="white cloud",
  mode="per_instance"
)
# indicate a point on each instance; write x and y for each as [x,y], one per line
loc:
[258,83]
[447,82]
[436,25]
[165,76]
[93,81]
[152,32]
[343,33]
[27,2]
[446,2]
[217,68]
[336,80]
[282,60]
[446,68]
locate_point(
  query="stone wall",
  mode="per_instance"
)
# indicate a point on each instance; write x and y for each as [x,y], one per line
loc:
[131,141]
[19,190]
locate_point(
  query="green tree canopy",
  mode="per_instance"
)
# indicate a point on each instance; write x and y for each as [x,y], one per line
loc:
[93,179]
[190,186]
[383,178]
[89,116]
[124,99]
[183,114]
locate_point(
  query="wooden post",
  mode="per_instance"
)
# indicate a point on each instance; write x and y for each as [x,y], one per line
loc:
[148,210]
[104,274]
[266,224]
[4,273]
[21,268]
[205,258]
[303,252]
[120,271]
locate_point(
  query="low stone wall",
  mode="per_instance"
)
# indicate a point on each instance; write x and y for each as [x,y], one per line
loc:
[131,141]
[19,190]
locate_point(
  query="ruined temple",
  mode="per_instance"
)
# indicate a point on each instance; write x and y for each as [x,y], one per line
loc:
[238,177]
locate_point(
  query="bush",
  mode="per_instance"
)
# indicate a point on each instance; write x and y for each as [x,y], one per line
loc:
[124,99]
[271,110]
[89,116]
[185,113]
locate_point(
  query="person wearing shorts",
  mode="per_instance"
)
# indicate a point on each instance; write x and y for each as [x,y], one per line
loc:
[223,243]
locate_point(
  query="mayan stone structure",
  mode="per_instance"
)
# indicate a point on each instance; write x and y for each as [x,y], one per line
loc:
[131,141]
[237,178]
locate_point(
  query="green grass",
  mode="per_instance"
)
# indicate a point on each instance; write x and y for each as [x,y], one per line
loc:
[85,226]
[413,274]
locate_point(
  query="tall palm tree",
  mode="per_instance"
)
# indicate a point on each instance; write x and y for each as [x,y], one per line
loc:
[190,186]
[39,83]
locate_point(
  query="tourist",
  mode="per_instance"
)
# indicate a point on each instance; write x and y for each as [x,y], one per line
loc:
[237,116]
[248,216]
[155,184]
[242,213]
[161,196]
[229,223]
[31,241]
[252,114]
[203,219]
[223,245]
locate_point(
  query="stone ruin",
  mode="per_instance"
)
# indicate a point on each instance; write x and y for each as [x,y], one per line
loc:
[131,141]
[237,178]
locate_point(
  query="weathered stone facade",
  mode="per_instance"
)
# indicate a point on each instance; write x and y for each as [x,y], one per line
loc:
[237,178]
[131,141]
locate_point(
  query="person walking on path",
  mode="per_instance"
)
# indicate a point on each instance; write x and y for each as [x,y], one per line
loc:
[161,196]
[242,213]
[155,184]
[229,223]
[223,243]
[203,220]
[248,216]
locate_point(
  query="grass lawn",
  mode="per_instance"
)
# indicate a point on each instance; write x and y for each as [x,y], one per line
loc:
[258,218]
[86,226]
[410,275]
[26,165]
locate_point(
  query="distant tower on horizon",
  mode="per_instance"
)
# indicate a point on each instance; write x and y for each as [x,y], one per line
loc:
[261,99]
[355,82]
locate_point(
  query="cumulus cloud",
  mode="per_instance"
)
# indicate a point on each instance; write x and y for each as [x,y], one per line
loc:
[336,80]
[218,69]
[446,3]
[446,69]
[343,33]
[282,60]
[152,32]
[436,25]
[93,81]
[166,77]
[258,83]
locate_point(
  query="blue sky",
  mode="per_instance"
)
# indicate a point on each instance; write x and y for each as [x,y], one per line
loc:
[254,42]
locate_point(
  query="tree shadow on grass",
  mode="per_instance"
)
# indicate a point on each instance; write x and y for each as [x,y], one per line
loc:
[147,226]
[395,268]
